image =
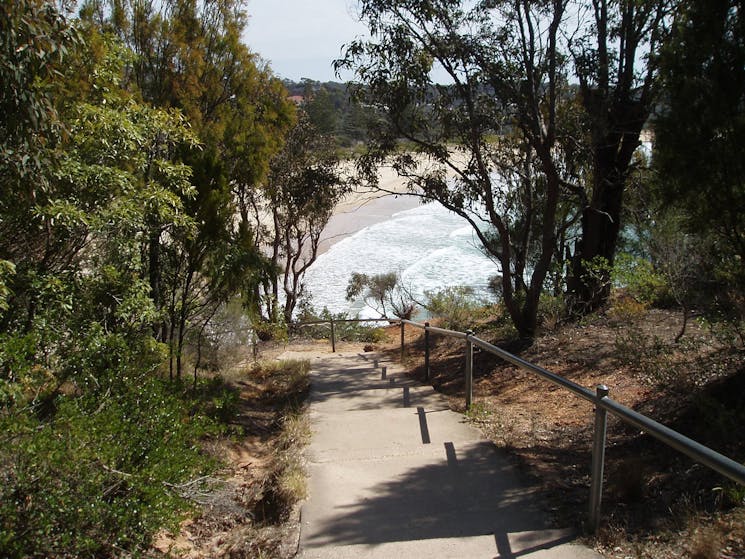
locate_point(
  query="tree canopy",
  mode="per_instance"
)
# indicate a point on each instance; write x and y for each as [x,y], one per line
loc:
[533,162]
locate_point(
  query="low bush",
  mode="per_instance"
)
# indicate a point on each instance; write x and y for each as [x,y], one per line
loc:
[551,310]
[639,279]
[368,332]
[457,307]
[93,478]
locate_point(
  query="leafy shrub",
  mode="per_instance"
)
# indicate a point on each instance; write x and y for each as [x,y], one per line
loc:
[93,481]
[457,307]
[551,309]
[639,279]
[625,309]
[345,331]
[220,400]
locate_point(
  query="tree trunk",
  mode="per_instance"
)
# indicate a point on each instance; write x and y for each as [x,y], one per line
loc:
[154,278]
[589,283]
[614,141]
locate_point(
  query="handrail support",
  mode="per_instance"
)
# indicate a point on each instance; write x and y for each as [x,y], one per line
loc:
[426,351]
[402,341]
[598,458]
[469,369]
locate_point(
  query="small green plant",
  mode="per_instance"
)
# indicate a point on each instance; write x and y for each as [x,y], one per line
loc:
[457,307]
[551,310]
[638,278]
[221,399]
[479,412]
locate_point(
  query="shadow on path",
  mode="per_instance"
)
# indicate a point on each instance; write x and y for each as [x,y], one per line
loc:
[394,473]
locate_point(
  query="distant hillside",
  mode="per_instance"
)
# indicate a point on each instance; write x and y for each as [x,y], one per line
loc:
[331,110]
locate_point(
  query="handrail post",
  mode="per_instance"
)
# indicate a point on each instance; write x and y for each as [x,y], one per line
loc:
[469,369]
[426,351]
[333,337]
[402,341]
[598,458]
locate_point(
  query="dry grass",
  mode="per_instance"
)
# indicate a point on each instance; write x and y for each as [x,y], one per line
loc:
[253,512]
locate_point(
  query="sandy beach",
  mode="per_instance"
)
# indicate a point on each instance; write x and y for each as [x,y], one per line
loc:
[362,209]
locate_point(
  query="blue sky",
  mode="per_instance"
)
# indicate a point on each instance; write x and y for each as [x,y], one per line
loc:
[301,38]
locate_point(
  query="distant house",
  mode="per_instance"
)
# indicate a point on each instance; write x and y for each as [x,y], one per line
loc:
[297,99]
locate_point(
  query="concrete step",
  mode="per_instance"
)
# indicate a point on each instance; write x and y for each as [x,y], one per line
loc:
[394,473]
[542,544]
[360,435]
[376,396]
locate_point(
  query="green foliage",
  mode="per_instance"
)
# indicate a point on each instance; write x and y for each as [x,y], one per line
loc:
[638,278]
[456,307]
[7,269]
[34,43]
[94,481]
[479,412]
[475,145]
[595,276]
[321,111]
[220,399]
[116,234]
[384,290]
[333,110]
[355,331]
[551,310]
[699,135]
[266,330]
[302,189]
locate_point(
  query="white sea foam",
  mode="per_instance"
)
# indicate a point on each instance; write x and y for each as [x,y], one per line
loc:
[430,247]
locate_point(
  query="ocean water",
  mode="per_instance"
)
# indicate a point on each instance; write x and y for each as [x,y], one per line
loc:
[429,247]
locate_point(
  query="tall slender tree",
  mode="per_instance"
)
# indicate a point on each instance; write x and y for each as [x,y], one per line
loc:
[302,189]
[700,128]
[189,55]
[614,49]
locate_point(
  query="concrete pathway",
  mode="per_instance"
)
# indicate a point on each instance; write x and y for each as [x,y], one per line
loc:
[395,474]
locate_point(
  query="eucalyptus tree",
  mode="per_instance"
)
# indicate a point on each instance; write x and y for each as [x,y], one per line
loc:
[614,45]
[35,39]
[304,185]
[700,158]
[189,55]
[539,116]
[496,145]
[700,129]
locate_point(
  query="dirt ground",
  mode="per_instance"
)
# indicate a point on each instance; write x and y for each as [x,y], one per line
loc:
[657,503]
[238,512]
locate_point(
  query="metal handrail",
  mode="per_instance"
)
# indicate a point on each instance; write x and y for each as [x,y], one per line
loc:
[313,322]
[691,448]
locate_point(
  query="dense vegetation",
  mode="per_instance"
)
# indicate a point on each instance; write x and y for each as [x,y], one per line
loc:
[142,146]
[155,176]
